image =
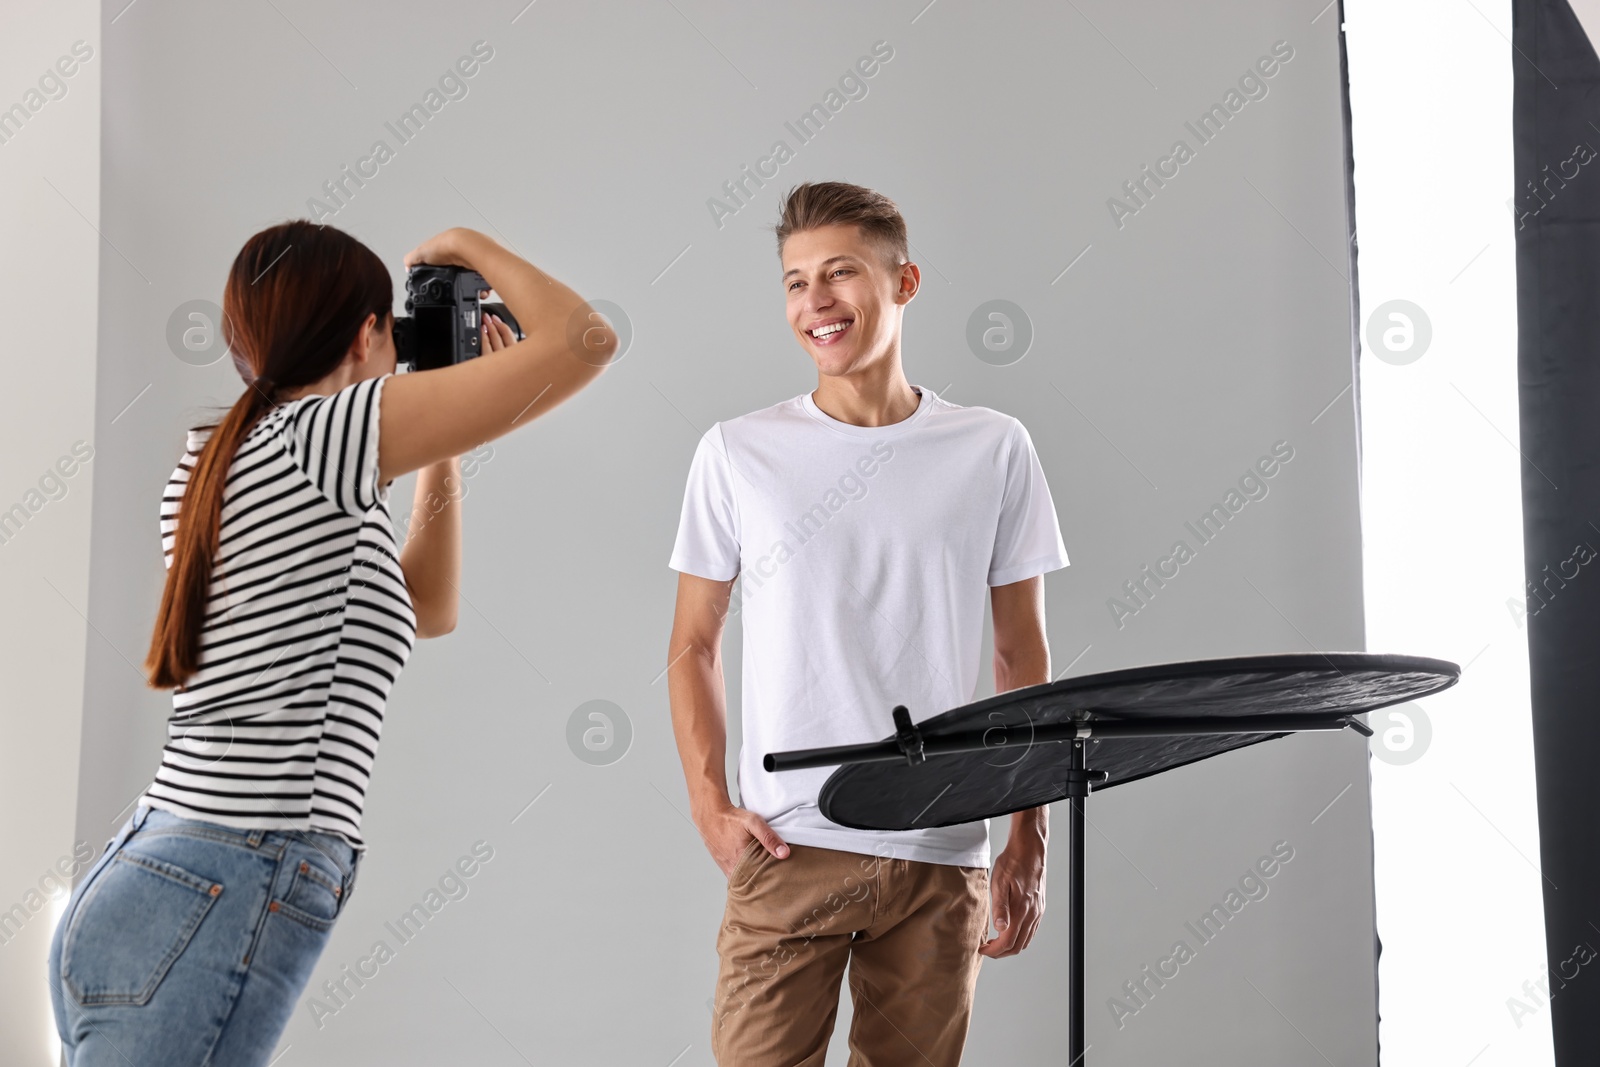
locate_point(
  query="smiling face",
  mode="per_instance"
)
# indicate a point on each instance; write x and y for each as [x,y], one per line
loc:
[844,302]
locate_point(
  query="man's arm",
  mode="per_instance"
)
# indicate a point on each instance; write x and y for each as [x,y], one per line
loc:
[1021,658]
[696,691]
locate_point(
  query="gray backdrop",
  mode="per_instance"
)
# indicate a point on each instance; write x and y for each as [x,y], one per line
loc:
[1168,353]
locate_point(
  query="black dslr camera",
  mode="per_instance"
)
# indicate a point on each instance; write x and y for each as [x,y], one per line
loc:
[445,317]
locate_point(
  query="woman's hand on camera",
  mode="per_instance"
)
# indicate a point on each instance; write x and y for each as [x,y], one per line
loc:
[496,334]
[448,249]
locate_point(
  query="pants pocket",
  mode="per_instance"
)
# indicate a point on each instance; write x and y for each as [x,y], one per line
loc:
[315,895]
[747,860]
[130,927]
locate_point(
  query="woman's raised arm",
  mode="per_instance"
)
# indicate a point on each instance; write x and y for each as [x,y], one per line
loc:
[430,415]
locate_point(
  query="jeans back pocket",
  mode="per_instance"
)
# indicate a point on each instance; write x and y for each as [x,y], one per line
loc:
[130,927]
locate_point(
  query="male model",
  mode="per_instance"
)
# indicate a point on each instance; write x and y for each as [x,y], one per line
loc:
[869,519]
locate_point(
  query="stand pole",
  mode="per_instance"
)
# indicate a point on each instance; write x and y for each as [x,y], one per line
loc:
[1080,787]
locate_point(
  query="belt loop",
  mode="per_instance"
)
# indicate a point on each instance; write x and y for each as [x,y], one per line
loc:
[256,837]
[350,879]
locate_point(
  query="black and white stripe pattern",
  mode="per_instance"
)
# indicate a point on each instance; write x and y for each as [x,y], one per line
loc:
[308,625]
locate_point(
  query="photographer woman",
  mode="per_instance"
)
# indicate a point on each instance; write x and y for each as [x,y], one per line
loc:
[287,614]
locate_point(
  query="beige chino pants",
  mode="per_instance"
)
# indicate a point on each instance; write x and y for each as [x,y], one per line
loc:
[909,930]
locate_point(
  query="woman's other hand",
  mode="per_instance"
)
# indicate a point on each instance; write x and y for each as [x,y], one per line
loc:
[496,334]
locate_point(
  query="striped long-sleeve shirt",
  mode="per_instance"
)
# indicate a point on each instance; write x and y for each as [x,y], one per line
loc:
[308,624]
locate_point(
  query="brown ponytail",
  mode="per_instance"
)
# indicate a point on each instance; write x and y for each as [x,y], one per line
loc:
[296,298]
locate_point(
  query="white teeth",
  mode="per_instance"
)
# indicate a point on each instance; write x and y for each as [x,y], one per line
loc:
[825,331]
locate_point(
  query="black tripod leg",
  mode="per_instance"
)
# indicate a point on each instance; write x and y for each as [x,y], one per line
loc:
[1075,906]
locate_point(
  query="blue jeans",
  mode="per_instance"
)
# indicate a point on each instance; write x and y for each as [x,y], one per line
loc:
[189,943]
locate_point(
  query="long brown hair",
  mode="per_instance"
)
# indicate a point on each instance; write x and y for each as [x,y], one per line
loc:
[295,300]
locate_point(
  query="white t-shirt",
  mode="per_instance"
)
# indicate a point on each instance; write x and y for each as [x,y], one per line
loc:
[867,553]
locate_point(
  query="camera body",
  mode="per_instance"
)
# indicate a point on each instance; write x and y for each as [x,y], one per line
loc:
[443,324]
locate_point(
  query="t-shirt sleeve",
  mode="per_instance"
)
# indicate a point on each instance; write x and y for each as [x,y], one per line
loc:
[1028,539]
[708,528]
[172,498]
[334,439]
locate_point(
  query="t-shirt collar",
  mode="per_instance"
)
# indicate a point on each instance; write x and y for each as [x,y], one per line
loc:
[927,397]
